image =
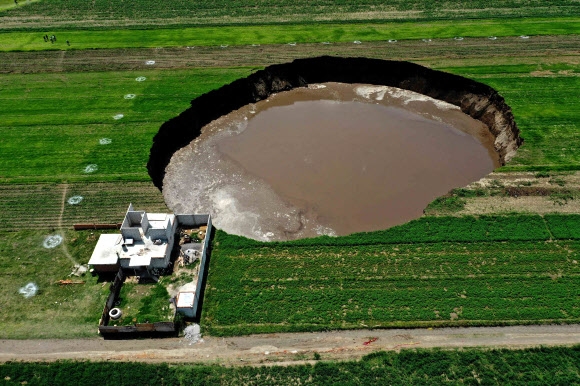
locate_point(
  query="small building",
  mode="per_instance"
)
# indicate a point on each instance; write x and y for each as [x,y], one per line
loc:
[144,245]
[184,303]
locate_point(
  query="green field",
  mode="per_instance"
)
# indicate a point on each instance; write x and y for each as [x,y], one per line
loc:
[430,272]
[268,34]
[545,366]
[58,101]
[151,13]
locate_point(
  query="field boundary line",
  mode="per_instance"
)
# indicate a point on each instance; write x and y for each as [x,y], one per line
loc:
[60,228]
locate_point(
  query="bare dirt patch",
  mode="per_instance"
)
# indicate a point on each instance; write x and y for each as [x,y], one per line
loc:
[285,349]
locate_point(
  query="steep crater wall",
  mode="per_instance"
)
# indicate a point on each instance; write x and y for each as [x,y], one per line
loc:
[475,99]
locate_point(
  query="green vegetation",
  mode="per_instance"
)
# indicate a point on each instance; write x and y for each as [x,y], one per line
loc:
[430,272]
[52,123]
[57,311]
[149,13]
[144,303]
[545,366]
[276,34]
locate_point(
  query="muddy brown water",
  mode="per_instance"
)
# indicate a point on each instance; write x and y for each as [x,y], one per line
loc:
[330,159]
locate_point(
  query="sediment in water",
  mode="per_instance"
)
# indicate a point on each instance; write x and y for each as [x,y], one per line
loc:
[473,98]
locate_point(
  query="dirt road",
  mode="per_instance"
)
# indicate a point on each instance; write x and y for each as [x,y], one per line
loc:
[285,348]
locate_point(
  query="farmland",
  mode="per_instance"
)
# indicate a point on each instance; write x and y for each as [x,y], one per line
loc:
[546,366]
[452,267]
[151,14]
[430,272]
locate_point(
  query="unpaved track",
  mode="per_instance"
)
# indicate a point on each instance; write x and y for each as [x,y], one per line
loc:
[291,348]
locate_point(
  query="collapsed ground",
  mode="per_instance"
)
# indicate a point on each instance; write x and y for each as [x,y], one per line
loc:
[57,106]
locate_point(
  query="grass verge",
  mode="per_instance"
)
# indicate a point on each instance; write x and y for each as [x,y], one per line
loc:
[281,34]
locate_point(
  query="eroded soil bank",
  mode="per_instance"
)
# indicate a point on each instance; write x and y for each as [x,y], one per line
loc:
[328,159]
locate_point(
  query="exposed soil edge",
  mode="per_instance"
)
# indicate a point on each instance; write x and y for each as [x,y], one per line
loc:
[475,99]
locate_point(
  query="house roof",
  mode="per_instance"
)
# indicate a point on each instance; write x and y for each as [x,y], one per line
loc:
[105,252]
[185,299]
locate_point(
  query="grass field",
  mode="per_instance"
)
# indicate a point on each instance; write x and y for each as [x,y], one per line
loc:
[57,103]
[430,272]
[56,311]
[272,34]
[149,13]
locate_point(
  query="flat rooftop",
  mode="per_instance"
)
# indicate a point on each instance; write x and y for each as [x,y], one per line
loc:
[105,252]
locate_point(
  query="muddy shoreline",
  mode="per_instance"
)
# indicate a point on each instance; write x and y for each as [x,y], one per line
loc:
[328,159]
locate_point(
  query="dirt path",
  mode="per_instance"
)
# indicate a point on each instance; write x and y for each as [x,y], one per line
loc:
[285,348]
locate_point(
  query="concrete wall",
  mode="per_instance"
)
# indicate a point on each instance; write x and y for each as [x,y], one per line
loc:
[158,233]
[202,270]
[192,220]
[131,233]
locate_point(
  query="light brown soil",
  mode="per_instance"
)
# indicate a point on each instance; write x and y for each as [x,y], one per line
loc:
[521,192]
[286,348]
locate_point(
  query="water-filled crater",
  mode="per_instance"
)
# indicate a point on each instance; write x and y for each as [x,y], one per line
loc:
[298,153]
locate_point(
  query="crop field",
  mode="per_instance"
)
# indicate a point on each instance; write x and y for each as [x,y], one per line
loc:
[151,13]
[545,366]
[303,33]
[78,121]
[430,272]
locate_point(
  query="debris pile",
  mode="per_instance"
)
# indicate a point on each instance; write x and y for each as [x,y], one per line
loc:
[193,334]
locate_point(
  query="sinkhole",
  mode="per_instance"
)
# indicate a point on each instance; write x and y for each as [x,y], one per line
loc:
[330,146]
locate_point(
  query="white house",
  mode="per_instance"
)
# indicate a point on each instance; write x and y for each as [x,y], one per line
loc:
[145,243]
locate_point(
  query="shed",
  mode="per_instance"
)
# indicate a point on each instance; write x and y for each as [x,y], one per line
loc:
[184,303]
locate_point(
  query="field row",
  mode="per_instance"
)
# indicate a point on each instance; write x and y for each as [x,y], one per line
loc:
[478,56]
[271,289]
[546,366]
[147,13]
[39,206]
[225,36]
[466,229]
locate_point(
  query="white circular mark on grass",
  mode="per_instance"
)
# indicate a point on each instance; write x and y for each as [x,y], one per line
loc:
[524,37]
[105,141]
[75,200]
[29,290]
[129,96]
[140,79]
[52,241]
[150,62]
[492,38]
[392,40]
[459,38]
[118,116]
[91,168]
[357,42]
[427,40]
